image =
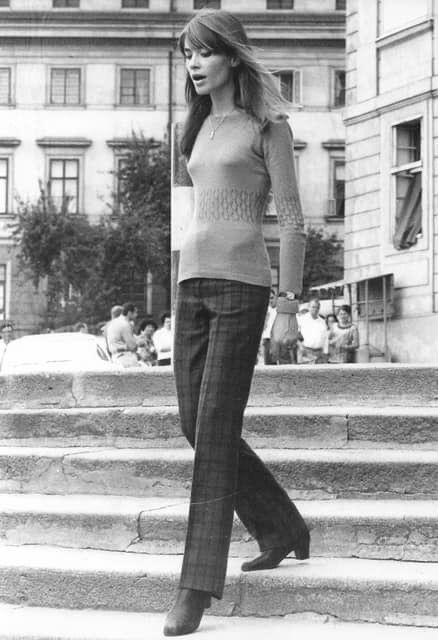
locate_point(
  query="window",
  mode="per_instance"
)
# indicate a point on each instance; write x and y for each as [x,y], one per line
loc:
[65,86]
[135,86]
[5,85]
[206,4]
[339,97]
[290,85]
[407,174]
[135,4]
[65,4]
[4,186]
[64,182]
[4,3]
[341,5]
[3,275]
[337,206]
[280,4]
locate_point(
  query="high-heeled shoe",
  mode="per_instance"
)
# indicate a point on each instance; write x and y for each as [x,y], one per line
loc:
[186,614]
[272,557]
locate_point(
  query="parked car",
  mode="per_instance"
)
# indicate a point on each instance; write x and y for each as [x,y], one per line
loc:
[54,351]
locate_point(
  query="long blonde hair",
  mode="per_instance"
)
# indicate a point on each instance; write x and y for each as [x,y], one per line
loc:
[255,89]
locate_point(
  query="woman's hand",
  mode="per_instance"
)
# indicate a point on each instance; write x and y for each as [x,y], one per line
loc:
[284,334]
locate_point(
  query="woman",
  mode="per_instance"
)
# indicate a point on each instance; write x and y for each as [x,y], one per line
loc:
[343,338]
[238,145]
[146,351]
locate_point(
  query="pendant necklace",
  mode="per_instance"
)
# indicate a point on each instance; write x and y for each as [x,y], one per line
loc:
[213,128]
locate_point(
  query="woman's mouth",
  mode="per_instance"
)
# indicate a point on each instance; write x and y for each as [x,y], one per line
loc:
[197,77]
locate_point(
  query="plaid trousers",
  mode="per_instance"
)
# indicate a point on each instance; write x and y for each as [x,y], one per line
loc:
[218,327]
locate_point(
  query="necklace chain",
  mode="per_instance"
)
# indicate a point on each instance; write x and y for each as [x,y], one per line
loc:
[214,128]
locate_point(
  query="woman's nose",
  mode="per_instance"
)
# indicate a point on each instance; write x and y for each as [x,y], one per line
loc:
[194,61]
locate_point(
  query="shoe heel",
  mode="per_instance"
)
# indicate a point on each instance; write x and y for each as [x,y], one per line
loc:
[302,550]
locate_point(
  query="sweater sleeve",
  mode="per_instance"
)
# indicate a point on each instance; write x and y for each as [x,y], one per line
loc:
[280,162]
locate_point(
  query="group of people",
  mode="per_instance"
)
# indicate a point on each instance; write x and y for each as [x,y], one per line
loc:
[333,339]
[130,344]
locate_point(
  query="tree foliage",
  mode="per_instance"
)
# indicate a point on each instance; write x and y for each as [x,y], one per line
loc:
[323,261]
[93,266]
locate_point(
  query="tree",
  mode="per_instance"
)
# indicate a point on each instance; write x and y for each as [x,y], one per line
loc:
[323,260]
[58,246]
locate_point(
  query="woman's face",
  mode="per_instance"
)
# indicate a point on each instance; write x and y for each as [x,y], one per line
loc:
[149,330]
[343,316]
[209,71]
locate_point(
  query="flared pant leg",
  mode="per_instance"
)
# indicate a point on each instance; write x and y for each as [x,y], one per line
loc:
[217,334]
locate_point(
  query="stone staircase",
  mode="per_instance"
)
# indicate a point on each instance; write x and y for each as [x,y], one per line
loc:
[94,488]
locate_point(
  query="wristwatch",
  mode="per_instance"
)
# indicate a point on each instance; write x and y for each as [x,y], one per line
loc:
[290,295]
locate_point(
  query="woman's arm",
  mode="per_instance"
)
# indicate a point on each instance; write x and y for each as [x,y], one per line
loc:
[280,163]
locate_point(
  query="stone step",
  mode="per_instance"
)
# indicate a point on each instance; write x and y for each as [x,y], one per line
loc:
[304,473]
[352,590]
[37,623]
[362,384]
[385,529]
[282,427]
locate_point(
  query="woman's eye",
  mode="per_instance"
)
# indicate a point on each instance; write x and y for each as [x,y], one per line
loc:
[206,53]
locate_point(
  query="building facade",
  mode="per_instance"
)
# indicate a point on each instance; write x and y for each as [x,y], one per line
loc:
[77,77]
[391,223]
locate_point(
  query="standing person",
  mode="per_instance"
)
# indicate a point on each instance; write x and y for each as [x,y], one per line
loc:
[343,338]
[313,342]
[122,344]
[271,314]
[238,144]
[163,341]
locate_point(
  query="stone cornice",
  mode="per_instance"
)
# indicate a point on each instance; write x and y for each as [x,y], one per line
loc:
[146,24]
[9,142]
[334,144]
[79,143]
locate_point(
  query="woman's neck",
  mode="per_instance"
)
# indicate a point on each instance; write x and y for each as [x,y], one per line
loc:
[222,102]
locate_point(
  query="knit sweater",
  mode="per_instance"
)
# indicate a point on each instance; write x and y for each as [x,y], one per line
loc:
[232,175]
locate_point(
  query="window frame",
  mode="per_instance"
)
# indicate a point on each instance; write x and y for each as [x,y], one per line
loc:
[5,281]
[11,101]
[297,82]
[268,8]
[135,8]
[65,105]
[5,6]
[54,3]
[208,4]
[336,160]
[337,8]
[64,159]
[135,67]
[411,168]
[335,71]
[8,200]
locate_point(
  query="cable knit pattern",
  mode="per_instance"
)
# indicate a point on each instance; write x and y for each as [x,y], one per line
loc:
[288,208]
[232,175]
[231,204]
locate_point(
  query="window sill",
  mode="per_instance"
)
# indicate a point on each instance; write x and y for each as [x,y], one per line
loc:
[63,107]
[332,219]
[147,107]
